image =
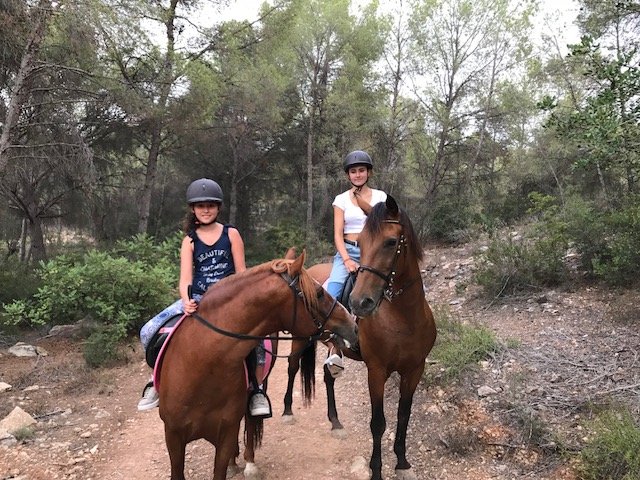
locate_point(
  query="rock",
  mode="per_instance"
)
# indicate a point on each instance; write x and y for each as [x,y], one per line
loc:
[6,439]
[21,349]
[360,469]
[5,387]
[485,391]
[16,420]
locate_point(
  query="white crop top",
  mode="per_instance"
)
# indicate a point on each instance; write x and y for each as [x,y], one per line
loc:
[354,217]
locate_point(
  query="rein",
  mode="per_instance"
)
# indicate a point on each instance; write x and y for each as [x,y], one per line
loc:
[293,285]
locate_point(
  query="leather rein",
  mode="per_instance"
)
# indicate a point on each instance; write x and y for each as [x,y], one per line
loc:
[293,285]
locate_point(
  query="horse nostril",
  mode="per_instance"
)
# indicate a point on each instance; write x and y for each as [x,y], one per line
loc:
[367,304]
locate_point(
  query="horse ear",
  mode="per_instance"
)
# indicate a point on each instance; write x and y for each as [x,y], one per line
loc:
[291,253]
[392,206]
[296,267]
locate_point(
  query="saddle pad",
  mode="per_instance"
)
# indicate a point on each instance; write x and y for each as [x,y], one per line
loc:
[268,366]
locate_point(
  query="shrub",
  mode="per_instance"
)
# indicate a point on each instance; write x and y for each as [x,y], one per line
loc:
[102,347]
[612,452]
[113,289]
[459,346]
[18,280]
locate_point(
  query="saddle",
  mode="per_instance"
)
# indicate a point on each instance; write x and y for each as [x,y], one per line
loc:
[158,339]
[347,289]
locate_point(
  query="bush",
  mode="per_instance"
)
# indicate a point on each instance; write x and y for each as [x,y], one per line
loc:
[18,280]
[102,347]
[113,289]
[459,346]
[515,264]
[275,242]
[612,452]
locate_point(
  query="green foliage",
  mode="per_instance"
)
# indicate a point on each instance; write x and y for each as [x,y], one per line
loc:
[459,346]
[450,220]
[123,287]
[612,452]
[275,242]
[513,264]
[102,348]
[17,280]
[24,433]
[607,240]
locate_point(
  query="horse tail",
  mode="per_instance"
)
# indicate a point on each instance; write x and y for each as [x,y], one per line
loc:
[253,431]
[307,372]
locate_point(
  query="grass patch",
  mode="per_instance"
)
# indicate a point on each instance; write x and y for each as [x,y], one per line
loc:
[459,346]
[24,434]
[612,451]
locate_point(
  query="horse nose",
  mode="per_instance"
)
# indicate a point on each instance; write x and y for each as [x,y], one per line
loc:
[362,306]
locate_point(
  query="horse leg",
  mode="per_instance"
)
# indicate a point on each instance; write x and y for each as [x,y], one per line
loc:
[250,470]
[233,469]
[176,445]
[292,371]
[378,424]
[337,430]
[224,454]
[408,385]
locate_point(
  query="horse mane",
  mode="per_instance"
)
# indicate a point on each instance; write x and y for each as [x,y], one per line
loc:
[306,284]
[379,214]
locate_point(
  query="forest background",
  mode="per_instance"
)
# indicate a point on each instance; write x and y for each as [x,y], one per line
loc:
[476,122]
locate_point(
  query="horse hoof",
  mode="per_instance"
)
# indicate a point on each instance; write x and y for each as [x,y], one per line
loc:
[339,433]
[251,472]
[232,470]
[406,474]
[288,419]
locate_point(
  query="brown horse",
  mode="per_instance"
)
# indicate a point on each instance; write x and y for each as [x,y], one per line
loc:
[202,385]
[396,328]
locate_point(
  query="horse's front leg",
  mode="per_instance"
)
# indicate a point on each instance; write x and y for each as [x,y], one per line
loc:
[408,385]
[176,445]
[377,379]
[225,451]
[337,430]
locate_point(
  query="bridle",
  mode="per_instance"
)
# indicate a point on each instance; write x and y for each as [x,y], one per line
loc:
[293,283]
[389,278]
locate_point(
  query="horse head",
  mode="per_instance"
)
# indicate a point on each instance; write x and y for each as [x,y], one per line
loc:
[390,253]
[328,315]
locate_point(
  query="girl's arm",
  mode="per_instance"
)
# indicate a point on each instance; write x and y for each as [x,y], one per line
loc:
[186,275]
[338,239]
[237,250]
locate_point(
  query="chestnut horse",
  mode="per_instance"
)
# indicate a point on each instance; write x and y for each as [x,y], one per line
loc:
[396,328]
[202,384]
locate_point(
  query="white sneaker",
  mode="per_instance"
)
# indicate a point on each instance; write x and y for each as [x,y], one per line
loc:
[334,364]
[150,398]
[259,405]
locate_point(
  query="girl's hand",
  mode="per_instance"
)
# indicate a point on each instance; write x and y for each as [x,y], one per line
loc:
[350,265]
[190,306]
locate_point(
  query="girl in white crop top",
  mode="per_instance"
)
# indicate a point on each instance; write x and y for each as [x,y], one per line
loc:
[348,218]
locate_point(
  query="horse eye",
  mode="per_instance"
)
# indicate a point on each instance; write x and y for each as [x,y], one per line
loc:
[390,242]
[320,293]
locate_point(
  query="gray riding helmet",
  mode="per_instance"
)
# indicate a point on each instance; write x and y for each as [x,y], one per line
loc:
[357,157]
[204,190]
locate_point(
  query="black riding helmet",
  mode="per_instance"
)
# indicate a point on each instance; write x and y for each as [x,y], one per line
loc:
[204,190]
[357,157]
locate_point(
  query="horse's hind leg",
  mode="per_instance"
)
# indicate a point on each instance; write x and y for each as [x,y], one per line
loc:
[337,430]
[176,446]
[292,371]
[408,385]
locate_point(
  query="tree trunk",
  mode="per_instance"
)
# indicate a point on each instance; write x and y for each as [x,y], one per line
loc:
[310,140]
[20,90]
[166,80]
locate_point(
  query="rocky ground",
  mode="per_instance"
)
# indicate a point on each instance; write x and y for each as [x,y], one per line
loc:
[563,352]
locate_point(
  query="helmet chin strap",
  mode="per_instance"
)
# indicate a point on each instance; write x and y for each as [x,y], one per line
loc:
[359,187]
